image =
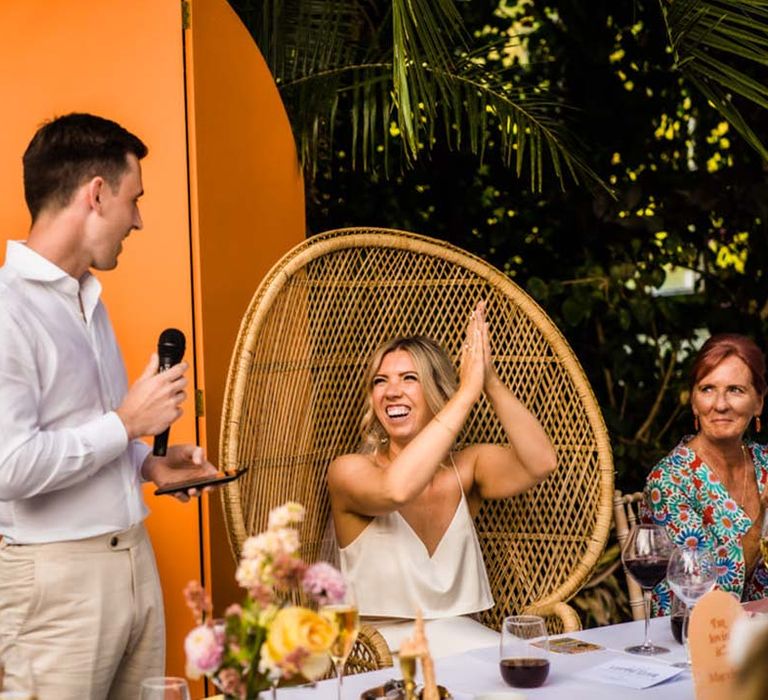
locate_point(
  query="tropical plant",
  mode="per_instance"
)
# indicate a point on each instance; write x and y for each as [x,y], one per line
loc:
[721,47]
[355,74]
[358,72]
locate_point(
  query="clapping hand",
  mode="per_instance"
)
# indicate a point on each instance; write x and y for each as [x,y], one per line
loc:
[477,371]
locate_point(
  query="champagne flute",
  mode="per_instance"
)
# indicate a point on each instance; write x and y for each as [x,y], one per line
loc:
[691,573]
[164,688]
[345,619]
[645,556]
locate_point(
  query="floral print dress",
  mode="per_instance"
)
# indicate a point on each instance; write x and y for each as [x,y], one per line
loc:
[685,496]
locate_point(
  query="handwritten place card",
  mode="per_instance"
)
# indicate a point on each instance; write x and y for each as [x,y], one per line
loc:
[708,633]
[630,673]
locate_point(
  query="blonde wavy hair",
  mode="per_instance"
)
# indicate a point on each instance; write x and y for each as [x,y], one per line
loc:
[437,375]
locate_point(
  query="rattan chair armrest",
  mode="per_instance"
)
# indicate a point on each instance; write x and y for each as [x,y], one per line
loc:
[568,616]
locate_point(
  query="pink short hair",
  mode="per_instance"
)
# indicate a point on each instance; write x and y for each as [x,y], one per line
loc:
[718,347]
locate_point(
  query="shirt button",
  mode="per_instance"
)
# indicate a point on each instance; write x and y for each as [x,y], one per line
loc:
[113,542]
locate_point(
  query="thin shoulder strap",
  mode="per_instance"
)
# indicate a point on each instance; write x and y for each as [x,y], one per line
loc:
[456,472]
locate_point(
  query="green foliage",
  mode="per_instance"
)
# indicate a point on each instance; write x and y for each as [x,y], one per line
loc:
[717,45]
[377,78]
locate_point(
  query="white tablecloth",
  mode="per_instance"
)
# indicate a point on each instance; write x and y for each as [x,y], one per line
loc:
[477,671]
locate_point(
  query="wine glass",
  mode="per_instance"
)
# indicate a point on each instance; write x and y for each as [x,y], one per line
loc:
[645,556]
[677,615]
[345,619]
[17,682]
[691,573]
[524,651]
[164,688]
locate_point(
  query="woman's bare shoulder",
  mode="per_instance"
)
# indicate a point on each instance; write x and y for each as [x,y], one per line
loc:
[351,463]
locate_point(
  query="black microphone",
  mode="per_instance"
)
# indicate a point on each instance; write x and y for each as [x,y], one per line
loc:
[170,350]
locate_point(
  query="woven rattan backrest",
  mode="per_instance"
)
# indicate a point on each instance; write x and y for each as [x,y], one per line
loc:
[294,399]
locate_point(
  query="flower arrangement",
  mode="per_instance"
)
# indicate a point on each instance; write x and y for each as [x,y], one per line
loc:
[265,642]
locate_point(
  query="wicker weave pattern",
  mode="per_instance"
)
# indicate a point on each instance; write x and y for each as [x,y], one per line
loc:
[369,653]
[294,401]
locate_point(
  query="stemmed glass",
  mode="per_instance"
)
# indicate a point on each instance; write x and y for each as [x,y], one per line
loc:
[645,556]
[346,621]
[691,573]
[164,688]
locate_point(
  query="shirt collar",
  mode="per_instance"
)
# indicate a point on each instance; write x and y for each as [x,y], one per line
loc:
[32,266]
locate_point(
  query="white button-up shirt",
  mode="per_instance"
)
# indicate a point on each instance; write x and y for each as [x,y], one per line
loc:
[67,469]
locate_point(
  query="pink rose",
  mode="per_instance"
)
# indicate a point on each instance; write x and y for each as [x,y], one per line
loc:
[324,583]
[204,649]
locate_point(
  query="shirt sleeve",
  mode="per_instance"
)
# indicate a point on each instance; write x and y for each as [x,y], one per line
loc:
[139,451]
[34,460]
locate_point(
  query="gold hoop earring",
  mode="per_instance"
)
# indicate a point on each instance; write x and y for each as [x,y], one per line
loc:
[695,422]
[758,424]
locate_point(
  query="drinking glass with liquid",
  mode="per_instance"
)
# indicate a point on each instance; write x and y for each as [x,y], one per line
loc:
[164,688]
[524,651]
[345,620]
[677,614]
[645,556]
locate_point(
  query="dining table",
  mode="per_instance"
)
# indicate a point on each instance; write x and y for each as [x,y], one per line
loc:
[475,673]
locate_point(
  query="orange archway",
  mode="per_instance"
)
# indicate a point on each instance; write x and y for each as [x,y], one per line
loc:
[224,199]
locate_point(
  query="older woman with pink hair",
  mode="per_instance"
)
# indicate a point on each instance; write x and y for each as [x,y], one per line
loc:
[710,490]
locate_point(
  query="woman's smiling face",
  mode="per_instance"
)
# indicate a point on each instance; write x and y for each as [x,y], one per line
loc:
[725,400]
[398,397]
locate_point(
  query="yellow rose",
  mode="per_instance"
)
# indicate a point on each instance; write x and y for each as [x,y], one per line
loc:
[302,634]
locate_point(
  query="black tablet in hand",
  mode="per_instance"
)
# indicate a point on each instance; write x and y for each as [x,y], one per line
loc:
[200,483]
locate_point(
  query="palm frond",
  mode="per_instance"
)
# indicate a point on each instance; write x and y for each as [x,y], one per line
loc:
[721,47]
[372,71]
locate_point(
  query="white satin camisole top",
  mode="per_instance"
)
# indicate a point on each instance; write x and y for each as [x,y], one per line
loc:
[393,574]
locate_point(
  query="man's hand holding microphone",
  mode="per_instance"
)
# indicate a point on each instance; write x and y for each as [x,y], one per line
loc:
[152,403]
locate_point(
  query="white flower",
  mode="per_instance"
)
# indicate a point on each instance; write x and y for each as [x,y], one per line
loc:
[252,548]
[290,513]
[249,573]
[288,539]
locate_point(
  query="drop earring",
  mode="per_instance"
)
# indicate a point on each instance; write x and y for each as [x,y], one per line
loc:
[758,424]
[695,422]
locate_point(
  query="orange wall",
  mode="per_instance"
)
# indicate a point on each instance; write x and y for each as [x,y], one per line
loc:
[122,60]
[248,209]
[125,61]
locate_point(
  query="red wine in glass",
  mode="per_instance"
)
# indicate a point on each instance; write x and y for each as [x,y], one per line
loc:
[676,621]
[646,555]
[524,673]
[647,571]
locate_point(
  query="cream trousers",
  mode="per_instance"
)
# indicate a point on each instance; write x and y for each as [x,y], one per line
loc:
[86,614]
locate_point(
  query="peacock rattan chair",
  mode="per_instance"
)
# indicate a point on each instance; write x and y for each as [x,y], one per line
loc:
[294,400]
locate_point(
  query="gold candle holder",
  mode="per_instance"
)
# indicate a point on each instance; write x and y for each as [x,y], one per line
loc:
[408,669]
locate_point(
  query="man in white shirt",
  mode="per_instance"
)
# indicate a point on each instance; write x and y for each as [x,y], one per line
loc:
[79,593]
